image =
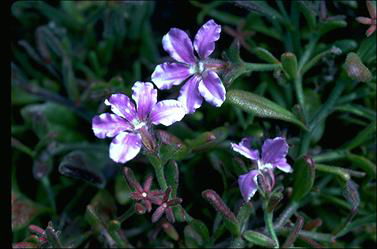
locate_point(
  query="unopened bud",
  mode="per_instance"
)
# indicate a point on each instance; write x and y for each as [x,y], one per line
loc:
[114,225]
[148,140]
[170,230]
[129,175]
[355,68]
[139,208]
[215,200]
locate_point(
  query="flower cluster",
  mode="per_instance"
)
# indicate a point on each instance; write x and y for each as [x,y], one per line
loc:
[131,125]
[145,197]
[274,152]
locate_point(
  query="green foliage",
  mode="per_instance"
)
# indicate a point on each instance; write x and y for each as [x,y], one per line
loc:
[303,70]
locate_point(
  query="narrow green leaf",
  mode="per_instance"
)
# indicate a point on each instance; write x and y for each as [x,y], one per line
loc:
[308,12]
[303,177]
[329,25]
[172,176]
[261,106]
[264,54]
[258,238]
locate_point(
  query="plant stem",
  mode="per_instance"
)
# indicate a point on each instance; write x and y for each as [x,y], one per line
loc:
[159,170]
[300,95]
[46,184]
[127,214]
[270,227]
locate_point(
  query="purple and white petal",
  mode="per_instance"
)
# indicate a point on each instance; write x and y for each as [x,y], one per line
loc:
[145,96]
[122,106]
[109,125]
[283,166]
[189,94]
[125,146]
[273,150]
[248,184]
[212,89]
[167,74]
[179,46]
[167,112]
[204,42]
[244,149]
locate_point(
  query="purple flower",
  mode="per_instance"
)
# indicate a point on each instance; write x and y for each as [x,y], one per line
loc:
[128,123]
[165,206]
[203,81]
[274,152]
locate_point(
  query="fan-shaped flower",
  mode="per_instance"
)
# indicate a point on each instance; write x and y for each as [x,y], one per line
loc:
[128,123]
[203,81]
[273,156]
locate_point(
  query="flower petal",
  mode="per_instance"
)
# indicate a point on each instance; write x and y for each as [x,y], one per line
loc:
[212,89]
[122,106]
[147,183]
[167,112]
[170,215]
[371,9]
[364,20]
[283,166]
[167,74]
[274,150]
[125,147]
[109,125]
[204,42]
[145,97]
[244,149]
[158,213]
[248,184]
[179,46]
[189,94]
[370,30]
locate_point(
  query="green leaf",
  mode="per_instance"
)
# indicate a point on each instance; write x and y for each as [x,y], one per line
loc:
[172,176]
[77,165]
[345,45]
[261,107]
[303,177]
[122,190]
[329,25]
[258,238]
[52,118]
[199,227]
[308,12]
[363,163]
[208,139]
[265,55]
[289,62]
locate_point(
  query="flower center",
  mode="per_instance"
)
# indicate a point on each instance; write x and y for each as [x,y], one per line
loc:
[197,68]
[165,205]
[144,194]
[137,124]
[264,166]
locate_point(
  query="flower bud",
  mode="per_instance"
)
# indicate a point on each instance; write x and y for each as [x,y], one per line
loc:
[355,68]
[139,208]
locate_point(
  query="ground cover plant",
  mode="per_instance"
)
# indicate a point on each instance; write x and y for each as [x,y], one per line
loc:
[192,124]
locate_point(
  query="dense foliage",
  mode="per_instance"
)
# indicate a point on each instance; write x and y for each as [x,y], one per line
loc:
[302,72]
